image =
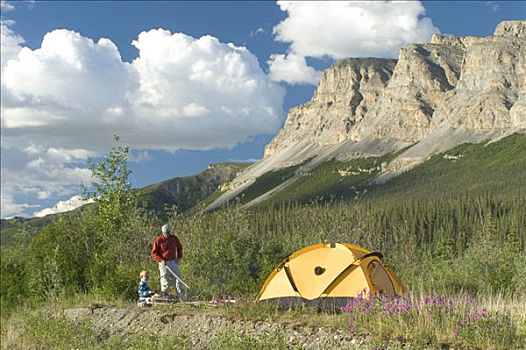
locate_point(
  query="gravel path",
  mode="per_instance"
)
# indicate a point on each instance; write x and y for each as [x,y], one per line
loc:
[200,328]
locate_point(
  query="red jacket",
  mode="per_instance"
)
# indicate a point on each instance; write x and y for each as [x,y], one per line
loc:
[167,248]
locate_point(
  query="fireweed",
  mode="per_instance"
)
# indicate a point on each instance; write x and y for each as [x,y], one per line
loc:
[432,319]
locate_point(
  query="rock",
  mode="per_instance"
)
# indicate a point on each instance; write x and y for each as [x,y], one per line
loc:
[511,28]
[518,112]
[456,41]
[493,76]
[345,93]
[420,83]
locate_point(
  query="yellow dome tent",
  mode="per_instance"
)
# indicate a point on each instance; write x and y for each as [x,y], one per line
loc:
[329,274]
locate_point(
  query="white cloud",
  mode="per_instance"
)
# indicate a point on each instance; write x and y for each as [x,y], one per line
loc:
[186,85]
[67,84]
[10,42]
[39,176]
[45,194]
[340,29]
[10,207]
[5,6]
[495,7]
[40,173]
[63,206]
[74,92]
[70,95]
[139,157]
[292,69]
[253,33]
[69,155]
[247,160]
[194,110]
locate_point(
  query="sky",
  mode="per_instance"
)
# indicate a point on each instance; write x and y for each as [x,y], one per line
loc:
[184,84]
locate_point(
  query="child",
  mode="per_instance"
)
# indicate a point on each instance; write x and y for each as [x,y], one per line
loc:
[144,289]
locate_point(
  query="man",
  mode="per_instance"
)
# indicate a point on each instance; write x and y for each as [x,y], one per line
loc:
[168,251]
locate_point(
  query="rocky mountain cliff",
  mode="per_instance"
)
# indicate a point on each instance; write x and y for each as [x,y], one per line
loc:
[345,93]
[437,95]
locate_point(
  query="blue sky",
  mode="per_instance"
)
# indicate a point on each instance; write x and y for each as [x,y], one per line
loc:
[180,124]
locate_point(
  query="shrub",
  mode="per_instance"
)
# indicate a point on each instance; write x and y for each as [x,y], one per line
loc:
[12,282]
[56,261]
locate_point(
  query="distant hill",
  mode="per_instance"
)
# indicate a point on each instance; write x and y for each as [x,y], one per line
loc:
[182,193]
[20,228]
[185,192]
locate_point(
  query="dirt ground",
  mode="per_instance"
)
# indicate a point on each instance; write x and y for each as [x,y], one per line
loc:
[201,325]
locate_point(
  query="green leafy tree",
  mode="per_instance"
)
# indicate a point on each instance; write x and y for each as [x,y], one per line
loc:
[115,239]
[112,190]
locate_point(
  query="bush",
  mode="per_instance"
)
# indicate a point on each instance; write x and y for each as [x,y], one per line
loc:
[56,261]
[222,257]
[12,282]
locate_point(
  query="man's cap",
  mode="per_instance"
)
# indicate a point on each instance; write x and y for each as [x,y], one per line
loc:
[166,229]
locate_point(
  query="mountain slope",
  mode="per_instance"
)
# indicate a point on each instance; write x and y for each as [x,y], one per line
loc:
[18,228]
[185,192]
[497,168]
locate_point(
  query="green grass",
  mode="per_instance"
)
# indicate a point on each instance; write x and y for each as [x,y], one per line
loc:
[498,168]
[211,198]
[21,229]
